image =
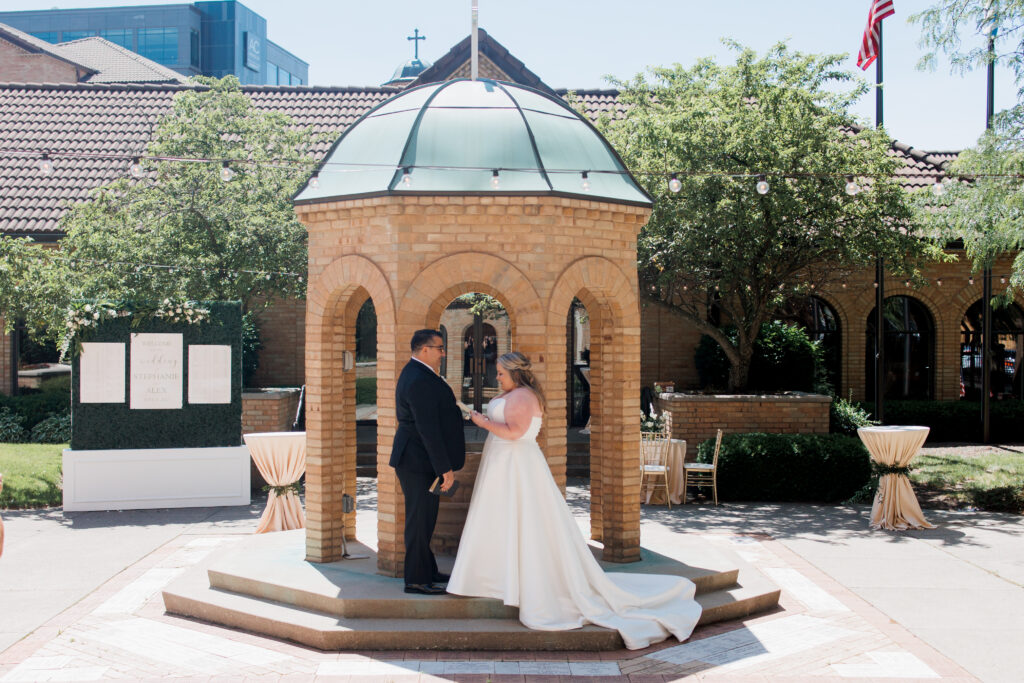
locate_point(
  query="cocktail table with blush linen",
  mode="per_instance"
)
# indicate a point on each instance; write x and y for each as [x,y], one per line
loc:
[674,460]
[281,459]
[893,447]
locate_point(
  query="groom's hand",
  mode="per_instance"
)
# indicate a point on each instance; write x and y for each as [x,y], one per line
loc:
[447,479]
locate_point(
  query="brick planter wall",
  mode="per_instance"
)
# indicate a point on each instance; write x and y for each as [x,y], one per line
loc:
[269,410]
[696,417]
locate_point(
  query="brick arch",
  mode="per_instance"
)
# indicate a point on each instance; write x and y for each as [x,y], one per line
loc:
[611,298]
[462,273]
[333,301]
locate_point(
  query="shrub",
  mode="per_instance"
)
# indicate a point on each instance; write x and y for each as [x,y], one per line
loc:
[845,416]
[957,420]
[36,407]
[366,390]
[11,429]
[53,429]
[785,359]
[788,467]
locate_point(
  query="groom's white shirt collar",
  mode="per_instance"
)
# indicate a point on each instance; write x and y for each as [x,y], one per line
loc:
[423,364]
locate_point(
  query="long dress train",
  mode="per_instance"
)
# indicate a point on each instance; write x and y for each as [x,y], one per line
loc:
[521,545]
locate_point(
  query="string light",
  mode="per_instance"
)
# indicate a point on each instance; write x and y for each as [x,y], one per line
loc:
[226,174]
[1002,280]
[938,281]
[852,187]
[585,184]
[762,185]
[407,176]
[495,180]
[135,170]
[674,184]
[314,180]
[45,165]
[938,189]
[970,280]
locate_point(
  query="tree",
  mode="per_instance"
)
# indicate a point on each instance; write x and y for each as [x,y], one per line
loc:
[945,25]
[720,246]
[179,231]
[985,205]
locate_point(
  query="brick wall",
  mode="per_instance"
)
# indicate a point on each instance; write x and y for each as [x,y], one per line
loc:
[283,333]
[270,410]
[19,66]
[696,417]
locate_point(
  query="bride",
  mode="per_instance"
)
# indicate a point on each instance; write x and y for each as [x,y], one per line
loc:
[521,544]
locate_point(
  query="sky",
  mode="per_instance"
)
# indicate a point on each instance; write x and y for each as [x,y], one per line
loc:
[577,43]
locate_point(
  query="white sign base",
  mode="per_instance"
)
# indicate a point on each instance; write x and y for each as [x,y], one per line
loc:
[137,479]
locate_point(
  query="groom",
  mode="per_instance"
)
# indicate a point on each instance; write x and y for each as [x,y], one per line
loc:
[429,443]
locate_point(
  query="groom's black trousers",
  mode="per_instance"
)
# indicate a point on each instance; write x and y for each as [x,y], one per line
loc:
[420,518]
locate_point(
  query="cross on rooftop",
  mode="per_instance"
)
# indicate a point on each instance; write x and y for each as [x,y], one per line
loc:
[416,38]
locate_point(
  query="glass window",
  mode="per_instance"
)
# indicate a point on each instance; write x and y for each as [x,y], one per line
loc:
[119,36]
[68,36]
[193,52]
[821,322]
[159,44]
[1005,380]
[48,36]
[296,80]
[909,349]
[271,73]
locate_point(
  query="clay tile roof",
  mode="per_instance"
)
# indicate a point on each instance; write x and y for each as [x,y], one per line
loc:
[115,64]
[118,119]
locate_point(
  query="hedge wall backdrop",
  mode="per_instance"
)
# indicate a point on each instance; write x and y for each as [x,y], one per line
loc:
[96,426]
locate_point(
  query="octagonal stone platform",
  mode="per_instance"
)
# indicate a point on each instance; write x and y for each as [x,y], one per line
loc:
[264,585]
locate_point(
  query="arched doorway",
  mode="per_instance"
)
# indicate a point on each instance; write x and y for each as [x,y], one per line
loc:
[909,349]
[1006,379]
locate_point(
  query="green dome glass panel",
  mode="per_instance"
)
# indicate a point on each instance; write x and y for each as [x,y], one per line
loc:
[452,136]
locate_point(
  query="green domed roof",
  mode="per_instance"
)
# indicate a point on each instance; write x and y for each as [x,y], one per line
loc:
[450,137]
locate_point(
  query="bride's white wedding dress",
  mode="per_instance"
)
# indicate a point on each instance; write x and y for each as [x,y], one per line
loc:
[521,545]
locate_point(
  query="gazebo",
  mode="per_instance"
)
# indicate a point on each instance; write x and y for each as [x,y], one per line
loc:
[471,186]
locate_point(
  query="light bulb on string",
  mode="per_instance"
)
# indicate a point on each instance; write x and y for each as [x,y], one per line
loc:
[495,180]
[938,189]
[135,170]
[852,187]
[970,280]
[844,285]
[762,185]
[938,281]
[906,283]
[674,184]
[226,174]
[407,176]
[585,183]
[314,180]
[45,164]
[1002,280]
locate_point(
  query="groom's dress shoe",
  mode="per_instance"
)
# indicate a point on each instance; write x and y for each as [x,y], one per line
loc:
[441,577]
[424,589]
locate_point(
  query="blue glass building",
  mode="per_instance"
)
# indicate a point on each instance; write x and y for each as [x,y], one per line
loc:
[201,38]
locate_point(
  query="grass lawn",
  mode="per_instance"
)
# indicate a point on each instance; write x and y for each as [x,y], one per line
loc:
[31,474]
[983,477]
[366,390]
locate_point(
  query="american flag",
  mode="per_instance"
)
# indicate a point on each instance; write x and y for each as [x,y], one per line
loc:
[869,45]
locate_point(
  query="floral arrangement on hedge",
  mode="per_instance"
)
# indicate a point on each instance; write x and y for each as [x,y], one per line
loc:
[84,316]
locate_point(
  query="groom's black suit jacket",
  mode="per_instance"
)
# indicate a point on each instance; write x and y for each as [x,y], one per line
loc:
[430,437]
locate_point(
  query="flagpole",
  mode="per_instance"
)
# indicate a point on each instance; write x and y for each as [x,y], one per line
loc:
[879,266]
[986,288]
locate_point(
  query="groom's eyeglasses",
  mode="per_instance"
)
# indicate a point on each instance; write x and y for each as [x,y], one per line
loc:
[440,348]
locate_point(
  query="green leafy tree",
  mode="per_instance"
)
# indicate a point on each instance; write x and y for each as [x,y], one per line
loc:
[217,240]
[720,247]
[984,206]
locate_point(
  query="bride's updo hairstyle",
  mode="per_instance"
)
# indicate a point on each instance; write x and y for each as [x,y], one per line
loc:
[519,368]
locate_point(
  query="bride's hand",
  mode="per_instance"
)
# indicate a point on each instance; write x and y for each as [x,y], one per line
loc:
[478,419]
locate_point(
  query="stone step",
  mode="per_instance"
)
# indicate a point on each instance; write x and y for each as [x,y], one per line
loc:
[263,584]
